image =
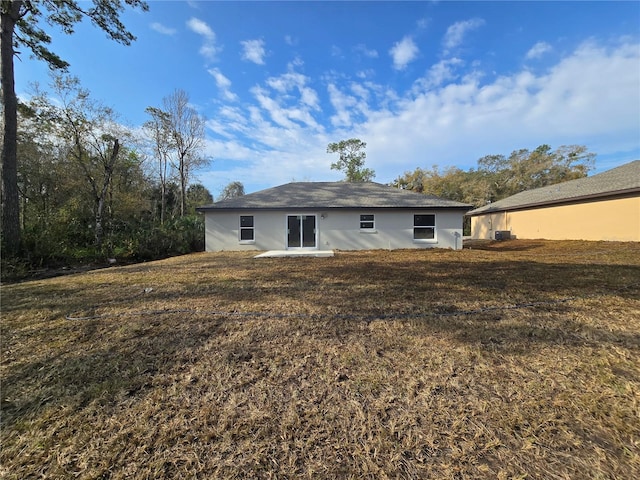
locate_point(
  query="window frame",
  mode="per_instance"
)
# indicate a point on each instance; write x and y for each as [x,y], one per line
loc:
[372,221]
[422,226]
[244,228]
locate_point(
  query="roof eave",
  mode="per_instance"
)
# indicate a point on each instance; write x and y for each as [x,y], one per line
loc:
[560,201]
[210,208]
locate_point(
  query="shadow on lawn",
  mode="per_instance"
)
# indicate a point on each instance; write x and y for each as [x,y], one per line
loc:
[116,357]
[512,245]
[111,360]
[511,305]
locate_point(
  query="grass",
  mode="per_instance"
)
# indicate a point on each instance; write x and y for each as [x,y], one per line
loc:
[517,359]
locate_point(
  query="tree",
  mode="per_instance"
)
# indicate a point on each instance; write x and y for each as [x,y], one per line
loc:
[187,130]
[19,26]
[93,142]
[66,151]
[159,129]
[351,157]
[198,195]
[525,170]
[232,190]
[39,172]
[498,176]
[449,183]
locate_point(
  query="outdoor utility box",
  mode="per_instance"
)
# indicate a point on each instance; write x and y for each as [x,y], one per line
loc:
[503,234]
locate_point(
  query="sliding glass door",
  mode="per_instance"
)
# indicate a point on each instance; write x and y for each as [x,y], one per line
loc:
[301,231]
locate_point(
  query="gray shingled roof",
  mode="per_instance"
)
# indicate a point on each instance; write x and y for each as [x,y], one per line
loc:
[620,180]
[322,195]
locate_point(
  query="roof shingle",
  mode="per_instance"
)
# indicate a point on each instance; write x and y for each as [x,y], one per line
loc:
[623,179]
[321,195]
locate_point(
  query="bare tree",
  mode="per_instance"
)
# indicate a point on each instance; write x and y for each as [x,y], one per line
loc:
[159,130]
[187,129]
[232,190]
[93,140]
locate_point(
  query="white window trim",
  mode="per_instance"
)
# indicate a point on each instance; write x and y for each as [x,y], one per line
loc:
[435,229]
[367,230]
[240,228]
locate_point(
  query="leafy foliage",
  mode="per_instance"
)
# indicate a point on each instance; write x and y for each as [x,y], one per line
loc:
[82,176]
[232,190]
[498,176]
[351,156]
[21,26]
[104,14]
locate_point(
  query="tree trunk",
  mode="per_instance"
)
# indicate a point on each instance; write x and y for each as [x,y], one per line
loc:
[183,188]
[163,201]
[99,230]
[100,199]
[163,187]
[10,202]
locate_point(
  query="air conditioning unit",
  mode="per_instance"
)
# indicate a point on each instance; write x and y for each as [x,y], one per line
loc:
[503,234]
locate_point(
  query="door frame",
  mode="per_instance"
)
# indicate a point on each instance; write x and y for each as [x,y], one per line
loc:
[286,231]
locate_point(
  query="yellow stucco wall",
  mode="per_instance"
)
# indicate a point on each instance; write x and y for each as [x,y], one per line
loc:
[611,220]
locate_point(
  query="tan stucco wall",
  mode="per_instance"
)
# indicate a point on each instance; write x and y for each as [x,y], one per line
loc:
[611,220]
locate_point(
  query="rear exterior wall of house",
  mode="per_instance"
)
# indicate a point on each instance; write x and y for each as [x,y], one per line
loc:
[336,229]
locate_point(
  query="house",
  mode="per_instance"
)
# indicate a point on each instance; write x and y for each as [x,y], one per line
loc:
[333,215]
[605,206]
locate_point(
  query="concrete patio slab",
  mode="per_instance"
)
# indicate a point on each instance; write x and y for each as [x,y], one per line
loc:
[295,253]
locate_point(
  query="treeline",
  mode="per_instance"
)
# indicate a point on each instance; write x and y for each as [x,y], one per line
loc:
[497,176]
[91,189]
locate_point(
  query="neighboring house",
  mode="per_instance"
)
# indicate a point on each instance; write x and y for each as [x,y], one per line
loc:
[605,206]
[333,215]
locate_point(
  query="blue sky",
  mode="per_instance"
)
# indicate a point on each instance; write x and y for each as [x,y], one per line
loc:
[423,83]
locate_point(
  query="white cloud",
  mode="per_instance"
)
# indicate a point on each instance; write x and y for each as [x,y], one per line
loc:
[201,28]
[456,32]
[289,81]
[449,117]
[538,50]
[221,81]
[291,41]
[350,109]
[343,105]
[253,51]
[367,52]
[439,73]
[403,52]
[224,84]
[368,73]
[209,49]
[461,121]
[296,62]
[286,109]
[158,27]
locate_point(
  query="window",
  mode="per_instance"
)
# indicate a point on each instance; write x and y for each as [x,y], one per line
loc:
[424,227]
[246,228]
[367,222]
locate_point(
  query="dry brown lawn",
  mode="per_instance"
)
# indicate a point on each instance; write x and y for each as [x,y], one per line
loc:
[517,359]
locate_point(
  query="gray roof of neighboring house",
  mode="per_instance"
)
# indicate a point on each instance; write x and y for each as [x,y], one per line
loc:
[617,181]
[322,195]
